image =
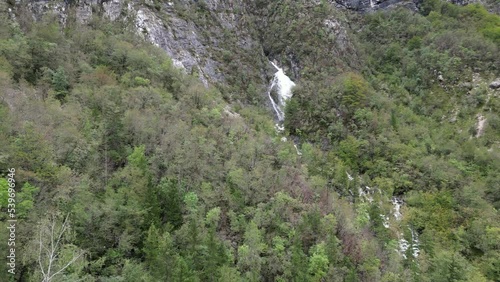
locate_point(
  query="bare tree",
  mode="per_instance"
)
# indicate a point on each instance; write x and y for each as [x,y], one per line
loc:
[51,245]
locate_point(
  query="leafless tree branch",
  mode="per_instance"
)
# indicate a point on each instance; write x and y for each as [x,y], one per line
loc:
[50,243]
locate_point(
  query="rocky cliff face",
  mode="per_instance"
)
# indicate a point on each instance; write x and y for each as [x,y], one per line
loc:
[202,37]
[219,41]
[373,5]
[188,31]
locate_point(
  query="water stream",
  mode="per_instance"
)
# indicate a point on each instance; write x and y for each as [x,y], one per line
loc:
[404,244]
[366,195]
[281,86]
[279,92]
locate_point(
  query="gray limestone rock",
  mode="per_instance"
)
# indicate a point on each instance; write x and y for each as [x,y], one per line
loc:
[495,84]
[194,33]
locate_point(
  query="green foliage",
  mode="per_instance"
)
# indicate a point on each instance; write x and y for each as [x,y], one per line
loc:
[488,24]
[229,274]
[33,153]
[60,83]
[250,261]
[25,200]
[432,210]
[4,193]
[355,92]
[160,253]
[165,182]
[213,216]
[318,263]
[191,201]
[392,124]
[448,266]
[327,107]
[134,272]
[137,159]
[166,203]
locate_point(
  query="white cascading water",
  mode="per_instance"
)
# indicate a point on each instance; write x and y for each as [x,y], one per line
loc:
[403,243]
[349,176]
[283,85]
[299,153]
[366,195]
[415,242]
[385,220]
[397,208]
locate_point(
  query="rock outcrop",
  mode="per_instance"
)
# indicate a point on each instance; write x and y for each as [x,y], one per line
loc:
[373,5]
[495,84]
[188,31]
[212,39]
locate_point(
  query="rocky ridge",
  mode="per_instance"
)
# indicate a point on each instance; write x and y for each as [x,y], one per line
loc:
[205,37]
[193,33]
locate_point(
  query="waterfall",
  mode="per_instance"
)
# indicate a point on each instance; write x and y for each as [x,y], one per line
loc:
[403,243]
[365,194]
[415,242]
[411,242]
[397,208]
[349,176]
[282,85]
[299,153]
[385,220]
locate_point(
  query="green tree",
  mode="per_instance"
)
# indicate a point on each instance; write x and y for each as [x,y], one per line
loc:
[166,203]
[250,258]
[318,263]
[355,92]
[25,199]
[229,274]
[4,193]
[60,84]
[160,253]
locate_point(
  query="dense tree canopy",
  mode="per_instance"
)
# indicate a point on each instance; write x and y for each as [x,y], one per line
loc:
[150,175]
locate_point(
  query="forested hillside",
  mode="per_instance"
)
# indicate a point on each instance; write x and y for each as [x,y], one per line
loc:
[131,168]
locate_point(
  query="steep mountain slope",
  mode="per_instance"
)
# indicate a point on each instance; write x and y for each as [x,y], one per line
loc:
[143,133]
[196,33]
